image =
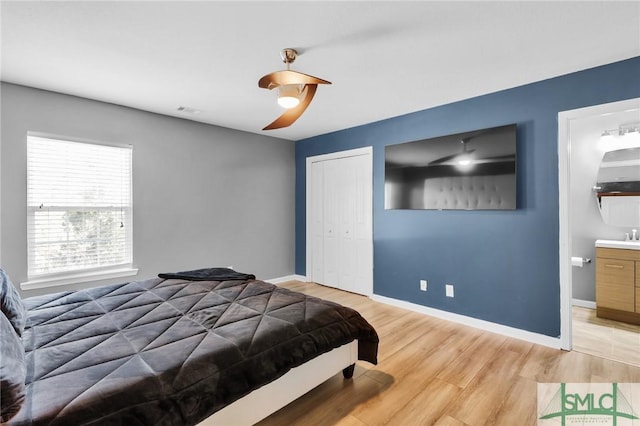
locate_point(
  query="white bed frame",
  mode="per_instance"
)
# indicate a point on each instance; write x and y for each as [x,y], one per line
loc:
[270,398]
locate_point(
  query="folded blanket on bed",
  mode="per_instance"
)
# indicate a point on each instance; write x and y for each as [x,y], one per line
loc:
[208,274]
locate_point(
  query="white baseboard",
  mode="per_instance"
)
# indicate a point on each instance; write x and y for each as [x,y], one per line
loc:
[516,333]
[286,278]
[583,303]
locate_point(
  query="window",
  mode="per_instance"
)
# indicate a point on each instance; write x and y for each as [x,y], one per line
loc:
[78,207]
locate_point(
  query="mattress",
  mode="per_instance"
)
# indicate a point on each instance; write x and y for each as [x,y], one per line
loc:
[171,351]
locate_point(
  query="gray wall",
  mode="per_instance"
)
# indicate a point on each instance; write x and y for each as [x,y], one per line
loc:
[202,195]
[587,149]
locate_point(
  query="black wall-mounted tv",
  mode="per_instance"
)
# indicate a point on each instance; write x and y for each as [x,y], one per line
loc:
[466,171]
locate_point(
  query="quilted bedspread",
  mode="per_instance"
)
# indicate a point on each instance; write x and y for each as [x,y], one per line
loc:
[170,351]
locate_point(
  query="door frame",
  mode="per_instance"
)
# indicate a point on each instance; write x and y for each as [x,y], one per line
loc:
[366,151]
[564,212]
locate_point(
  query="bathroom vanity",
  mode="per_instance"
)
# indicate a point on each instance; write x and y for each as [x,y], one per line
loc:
[618,280]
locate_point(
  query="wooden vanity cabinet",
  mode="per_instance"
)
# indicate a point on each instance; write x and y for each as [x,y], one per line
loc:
[618,284]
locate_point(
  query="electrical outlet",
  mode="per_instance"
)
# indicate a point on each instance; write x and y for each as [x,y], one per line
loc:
[423,285]
[449,290]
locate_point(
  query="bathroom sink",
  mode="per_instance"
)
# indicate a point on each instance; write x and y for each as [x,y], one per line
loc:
[628,245]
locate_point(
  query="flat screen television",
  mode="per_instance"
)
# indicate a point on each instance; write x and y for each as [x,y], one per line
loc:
[465,171]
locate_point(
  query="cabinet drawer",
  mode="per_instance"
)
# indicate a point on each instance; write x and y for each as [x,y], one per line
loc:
[615,287]
[638,300]
[616,269]
[614,253]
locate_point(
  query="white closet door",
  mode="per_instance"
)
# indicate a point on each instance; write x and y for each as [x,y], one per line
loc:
[346,206]
[341,223]
[331,222]
[317,222]
[363,226]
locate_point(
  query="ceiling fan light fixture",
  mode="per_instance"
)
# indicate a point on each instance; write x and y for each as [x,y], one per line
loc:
[289,95]
[464,162]
[295,90]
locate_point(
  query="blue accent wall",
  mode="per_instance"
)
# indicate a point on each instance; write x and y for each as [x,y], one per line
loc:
[504,264]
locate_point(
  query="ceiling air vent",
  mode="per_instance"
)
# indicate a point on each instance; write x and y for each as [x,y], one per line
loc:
[188,110]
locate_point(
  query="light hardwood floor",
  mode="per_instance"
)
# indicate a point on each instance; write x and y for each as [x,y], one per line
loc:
[614,340]
[432,371]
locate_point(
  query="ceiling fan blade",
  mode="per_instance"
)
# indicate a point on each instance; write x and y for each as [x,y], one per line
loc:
[291,115]
[450,157]
[443,159]
[285,77]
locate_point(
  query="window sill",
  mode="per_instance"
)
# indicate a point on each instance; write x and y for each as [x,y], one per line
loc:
[78,278]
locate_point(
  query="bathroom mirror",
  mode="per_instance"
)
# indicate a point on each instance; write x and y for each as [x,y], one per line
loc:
[618,187]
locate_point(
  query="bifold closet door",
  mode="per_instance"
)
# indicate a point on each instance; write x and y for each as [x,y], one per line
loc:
[317,222]
[331,200]
[341,215]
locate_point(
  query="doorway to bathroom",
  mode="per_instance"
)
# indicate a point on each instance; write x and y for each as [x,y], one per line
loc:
[584,135]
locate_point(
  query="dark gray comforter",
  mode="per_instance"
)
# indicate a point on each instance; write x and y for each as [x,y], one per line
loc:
[170,351]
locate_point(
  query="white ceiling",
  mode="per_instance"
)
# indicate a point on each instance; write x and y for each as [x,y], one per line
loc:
[384,58]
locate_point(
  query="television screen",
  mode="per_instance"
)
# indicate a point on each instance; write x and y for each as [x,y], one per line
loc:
[466,171]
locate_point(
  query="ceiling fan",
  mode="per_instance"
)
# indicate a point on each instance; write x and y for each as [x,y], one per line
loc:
[295,90]
[463,157]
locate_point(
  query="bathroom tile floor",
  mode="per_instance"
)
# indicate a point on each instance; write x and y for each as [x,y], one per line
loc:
[605,338]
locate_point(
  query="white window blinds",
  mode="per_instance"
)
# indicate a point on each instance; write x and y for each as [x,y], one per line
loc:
[78,206]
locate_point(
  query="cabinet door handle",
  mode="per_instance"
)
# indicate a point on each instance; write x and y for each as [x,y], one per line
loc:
[608,265]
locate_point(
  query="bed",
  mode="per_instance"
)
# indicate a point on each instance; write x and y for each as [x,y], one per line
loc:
[180,349]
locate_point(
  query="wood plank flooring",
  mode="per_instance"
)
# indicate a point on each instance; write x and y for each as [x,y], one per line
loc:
[610,339]
[435,372]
